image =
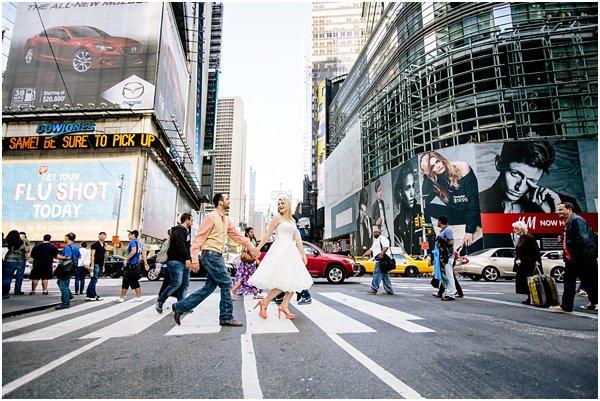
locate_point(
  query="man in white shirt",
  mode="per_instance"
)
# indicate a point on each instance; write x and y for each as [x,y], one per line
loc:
[83,265]
[378,249]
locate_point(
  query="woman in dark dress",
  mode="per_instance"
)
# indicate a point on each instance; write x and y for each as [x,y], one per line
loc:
[528,257]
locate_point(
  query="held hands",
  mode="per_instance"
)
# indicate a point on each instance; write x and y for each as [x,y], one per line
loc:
[255,253]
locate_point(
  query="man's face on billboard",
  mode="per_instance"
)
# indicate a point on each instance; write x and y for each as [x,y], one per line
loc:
[518,178]
[407,191]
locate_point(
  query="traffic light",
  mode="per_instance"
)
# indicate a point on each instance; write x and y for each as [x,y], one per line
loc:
[429,231]
[421,221]
[417,222]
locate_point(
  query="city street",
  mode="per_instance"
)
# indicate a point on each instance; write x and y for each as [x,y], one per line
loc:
[347,344]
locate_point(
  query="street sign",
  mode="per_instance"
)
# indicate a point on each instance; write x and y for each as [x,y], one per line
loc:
[424,245]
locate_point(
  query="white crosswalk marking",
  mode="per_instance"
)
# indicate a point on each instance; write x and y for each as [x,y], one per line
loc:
[126,327]
[28,321]
[388,315]
[331,321]
[205,318]
[256,325]
[68,326]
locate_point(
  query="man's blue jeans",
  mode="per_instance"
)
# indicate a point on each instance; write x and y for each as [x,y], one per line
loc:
[216,275]
[180,281]
[65,293]
[80,273]
[20,275]
[91,290]
[378,276]
[8,270]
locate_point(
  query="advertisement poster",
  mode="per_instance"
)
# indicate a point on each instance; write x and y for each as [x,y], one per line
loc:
[173,76]
[159,203]
[55,197]
[406,199]
[86,55]
[381,209]
[321,137]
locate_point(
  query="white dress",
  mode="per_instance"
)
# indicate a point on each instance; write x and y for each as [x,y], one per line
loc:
[282,266]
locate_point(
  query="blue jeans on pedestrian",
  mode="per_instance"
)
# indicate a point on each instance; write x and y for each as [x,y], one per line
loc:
[91,290]
[80,273]
[20,275]
[8,270]
[216,275]
[180,280]
[65,293]
[379,276]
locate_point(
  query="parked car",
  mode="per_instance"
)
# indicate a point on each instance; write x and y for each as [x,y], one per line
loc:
[406,265]
[494,263]
[335,268]
[152,276]
[82,48]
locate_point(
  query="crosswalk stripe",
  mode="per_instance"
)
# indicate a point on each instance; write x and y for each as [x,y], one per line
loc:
[28,321]
[250,382]
[205,318]
[396,384]
[68,326]
[388,315]
[331,321]
[256,325]
[131,325]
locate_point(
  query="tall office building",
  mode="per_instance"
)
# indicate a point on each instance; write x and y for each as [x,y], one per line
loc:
[230,156]
[339,34]
[212,94]
[9,14]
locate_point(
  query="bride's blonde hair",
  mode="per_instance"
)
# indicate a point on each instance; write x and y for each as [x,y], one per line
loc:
[287,214]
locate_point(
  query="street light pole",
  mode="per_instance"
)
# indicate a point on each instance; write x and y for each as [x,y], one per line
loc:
[119,205]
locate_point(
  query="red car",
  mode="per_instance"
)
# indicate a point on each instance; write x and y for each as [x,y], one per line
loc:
[83,48]
[335,268]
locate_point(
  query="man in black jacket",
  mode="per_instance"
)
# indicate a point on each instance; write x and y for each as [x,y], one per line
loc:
[580,253]
[179,261]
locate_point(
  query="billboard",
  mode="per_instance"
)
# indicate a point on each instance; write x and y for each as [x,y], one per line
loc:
[83,54]
[406,196]
[159,202]
[173,76]
[58,196]
[321,139]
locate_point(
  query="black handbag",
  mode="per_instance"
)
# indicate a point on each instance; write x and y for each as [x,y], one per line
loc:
[386,264]
[65,269]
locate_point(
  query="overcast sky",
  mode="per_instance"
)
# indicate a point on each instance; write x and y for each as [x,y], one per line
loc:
[262,62]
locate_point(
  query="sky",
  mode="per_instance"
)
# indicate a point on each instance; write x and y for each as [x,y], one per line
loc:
[262,62]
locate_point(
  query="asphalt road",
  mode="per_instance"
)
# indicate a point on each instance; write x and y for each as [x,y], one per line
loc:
[347,344]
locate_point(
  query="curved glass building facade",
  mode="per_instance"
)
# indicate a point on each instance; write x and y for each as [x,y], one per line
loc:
[434,75]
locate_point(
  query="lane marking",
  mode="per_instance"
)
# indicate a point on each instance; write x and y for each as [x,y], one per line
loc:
[332,321]
[68,326]
[28,321]
[250,383]
[131,325]
[389,315]
[496,301]
[256,325]
[205,318]
[12,386]
[396,384]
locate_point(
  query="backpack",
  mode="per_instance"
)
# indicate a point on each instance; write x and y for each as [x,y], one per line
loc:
[161,256]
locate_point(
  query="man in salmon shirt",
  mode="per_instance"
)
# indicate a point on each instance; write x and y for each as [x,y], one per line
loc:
[208,247]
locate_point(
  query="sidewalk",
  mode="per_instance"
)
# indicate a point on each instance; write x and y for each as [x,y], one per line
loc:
[19,304]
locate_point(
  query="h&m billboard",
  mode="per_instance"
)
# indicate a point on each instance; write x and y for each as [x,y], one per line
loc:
[84,54]
[56,196]
[482,188]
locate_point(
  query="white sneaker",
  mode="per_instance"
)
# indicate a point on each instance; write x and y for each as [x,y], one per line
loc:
[99,298]
[90,299]
[138,299]
[120,300]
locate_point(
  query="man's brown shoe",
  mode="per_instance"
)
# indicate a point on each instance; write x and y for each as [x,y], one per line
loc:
[232,323]
[177,317]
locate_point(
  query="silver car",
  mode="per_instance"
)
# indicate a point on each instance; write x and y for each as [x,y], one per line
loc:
[491,264]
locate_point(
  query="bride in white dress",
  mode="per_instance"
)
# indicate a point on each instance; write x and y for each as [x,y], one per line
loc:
[284,266]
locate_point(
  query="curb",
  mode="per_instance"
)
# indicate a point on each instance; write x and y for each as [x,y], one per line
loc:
[28,310]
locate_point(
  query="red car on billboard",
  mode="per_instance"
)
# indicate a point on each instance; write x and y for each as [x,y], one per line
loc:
[82,48]
[335,268]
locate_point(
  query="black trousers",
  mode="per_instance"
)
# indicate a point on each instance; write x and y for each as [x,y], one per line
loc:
[587,270]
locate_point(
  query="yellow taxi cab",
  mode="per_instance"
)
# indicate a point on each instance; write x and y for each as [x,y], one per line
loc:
[406,264]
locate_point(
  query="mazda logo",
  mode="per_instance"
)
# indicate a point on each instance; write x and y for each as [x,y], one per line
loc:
[133,90]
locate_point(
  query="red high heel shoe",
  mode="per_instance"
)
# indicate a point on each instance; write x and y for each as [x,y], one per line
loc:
[286,312]
[263,309]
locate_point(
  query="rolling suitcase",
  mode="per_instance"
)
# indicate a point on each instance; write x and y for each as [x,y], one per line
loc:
[543,290]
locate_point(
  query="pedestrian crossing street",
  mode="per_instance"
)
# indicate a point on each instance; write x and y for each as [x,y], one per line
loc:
[205,318]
